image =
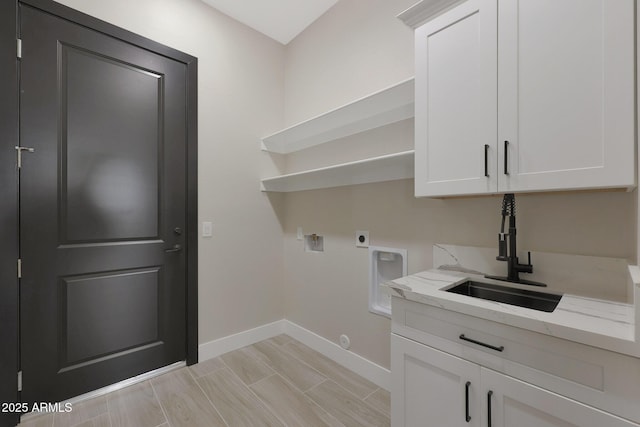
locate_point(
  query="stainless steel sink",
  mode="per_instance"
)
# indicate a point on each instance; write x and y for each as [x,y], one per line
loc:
[540,301]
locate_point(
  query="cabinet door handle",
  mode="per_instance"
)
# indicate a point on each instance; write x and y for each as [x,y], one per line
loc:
[492,347]
[486,160]
[467,417]
[506,158]
[489,408]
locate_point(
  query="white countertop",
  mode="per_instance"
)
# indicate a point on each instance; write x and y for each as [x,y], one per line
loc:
[599,323]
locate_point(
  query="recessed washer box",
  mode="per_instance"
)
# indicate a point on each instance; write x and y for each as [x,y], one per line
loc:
[313,243]
[385,264]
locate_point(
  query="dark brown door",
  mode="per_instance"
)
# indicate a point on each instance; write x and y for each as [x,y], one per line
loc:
[102,209]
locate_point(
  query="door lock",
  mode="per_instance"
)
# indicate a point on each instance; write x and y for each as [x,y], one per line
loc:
[20,150]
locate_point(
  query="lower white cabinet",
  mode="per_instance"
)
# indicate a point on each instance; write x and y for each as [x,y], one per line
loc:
[514,403]
[431,388]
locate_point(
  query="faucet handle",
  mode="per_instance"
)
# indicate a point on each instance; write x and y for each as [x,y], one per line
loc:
[528,267]
[502,247]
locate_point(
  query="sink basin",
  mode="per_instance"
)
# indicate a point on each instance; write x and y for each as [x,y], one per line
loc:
[540,301]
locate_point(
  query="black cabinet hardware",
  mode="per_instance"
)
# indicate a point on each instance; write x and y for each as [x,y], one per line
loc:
[486,160]
[492,347]
[467,417]
[489,408]
[506,158]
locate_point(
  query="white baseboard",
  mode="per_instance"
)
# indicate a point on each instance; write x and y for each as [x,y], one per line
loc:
[224,345]
[365,368]
[350,360]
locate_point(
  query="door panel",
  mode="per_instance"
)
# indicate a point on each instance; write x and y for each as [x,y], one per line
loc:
[432,388]
[566,93]
[103,198]
[514,403]
[110,155]
[86,301]
[456,89]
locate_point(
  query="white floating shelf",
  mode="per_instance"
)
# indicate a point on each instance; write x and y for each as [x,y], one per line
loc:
[376,169]
[379,109]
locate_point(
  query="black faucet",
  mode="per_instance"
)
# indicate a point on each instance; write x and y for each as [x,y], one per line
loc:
[514,268]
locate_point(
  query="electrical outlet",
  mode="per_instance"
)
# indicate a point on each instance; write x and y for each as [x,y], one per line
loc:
[362,239]
[345,342]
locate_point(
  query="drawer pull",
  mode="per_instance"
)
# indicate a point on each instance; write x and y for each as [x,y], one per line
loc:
[492,347]
[467,417]
[489,408]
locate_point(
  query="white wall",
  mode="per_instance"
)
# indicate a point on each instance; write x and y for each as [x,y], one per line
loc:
[356,48]
[241,79]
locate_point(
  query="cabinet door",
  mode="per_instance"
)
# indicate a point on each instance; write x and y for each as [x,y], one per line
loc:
[514,403]
[429,388]
[566,94]
[456,96]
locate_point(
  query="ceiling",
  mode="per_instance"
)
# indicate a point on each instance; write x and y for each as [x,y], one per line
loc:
[282,20]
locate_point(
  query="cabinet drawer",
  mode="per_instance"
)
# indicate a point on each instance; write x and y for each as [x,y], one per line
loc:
[603,379]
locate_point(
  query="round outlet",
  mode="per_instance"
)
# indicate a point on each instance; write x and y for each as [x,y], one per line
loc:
[362,239]
[345,342]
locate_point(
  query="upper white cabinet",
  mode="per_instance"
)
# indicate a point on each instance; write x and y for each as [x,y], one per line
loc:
[525,95]
[566,94]
[456,101]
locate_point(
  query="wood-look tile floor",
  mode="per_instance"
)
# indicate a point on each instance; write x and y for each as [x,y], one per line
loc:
[277,382]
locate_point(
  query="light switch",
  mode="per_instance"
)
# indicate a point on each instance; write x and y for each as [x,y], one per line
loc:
[207,229]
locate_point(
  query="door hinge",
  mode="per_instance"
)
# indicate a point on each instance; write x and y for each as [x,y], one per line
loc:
[19,380]
[19,48]
[19,268]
